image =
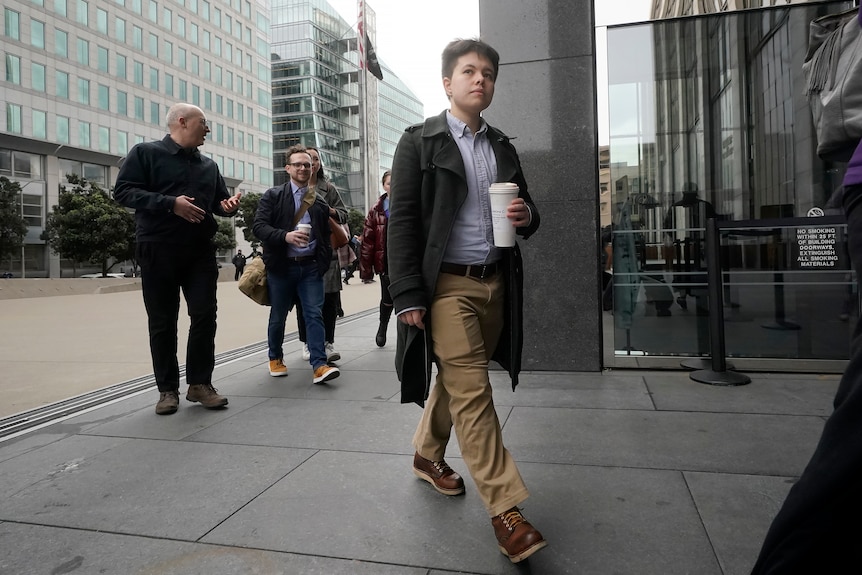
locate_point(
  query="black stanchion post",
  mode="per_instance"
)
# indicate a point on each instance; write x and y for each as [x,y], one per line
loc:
[719,374]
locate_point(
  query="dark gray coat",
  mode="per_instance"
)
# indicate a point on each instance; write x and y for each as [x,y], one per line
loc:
[429,186]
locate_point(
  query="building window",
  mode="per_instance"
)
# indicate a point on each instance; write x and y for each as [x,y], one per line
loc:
[121,66]
[122,103]
[84,134]
[37,33]
[104,139]
[168,52]
[84,91]
[139,108]
[167,19]
[13,118]
[183,90]
[122,143]
[154,45]
[63,129]
[91,172]
[12,21]
[83,52]
[169,85]
[62,82]
[153,11]
[181,58]
[82,13]
[154,79]
[104,97]
[40,124]
[196,95]
[137,37]
[61,43]
[102,54]
[13,69]
[155,118]
[181,27]
[102,21]
[37,77]
[193,35]
[139,72]
[120,30]
[136,6]
[60,7]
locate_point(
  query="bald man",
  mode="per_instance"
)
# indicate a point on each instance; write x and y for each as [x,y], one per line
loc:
[175,191]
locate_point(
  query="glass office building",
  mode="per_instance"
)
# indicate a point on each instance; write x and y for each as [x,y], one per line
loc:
[85,80]
[709,122]
[316,90]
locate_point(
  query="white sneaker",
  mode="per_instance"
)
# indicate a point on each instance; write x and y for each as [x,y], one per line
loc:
[331,354]
[305,353]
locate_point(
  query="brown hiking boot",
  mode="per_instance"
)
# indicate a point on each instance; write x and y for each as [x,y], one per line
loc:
[516,538]
[438,474]
[168,403]
[206,395]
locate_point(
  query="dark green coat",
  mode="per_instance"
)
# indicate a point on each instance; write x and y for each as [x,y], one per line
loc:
[429,186]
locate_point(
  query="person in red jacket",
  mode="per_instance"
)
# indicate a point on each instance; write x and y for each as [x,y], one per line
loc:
[372,255]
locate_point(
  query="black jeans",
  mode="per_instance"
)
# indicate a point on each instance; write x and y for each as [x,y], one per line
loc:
[816,529]
[165,270]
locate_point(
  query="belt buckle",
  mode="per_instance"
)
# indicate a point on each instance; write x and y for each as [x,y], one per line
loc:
[482,269]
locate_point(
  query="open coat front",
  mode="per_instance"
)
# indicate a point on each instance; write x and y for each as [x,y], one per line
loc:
[429,186]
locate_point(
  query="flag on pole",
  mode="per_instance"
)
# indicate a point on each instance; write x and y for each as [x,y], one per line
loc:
[367,55]
[371,60]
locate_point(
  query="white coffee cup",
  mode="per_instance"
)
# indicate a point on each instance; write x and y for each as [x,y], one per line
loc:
[502,194]
[306,229]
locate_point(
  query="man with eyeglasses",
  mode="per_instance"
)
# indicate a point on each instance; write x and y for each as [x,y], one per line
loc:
[293,226]
[175,191]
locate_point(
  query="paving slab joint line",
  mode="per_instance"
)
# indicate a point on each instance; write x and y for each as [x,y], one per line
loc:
[14,425]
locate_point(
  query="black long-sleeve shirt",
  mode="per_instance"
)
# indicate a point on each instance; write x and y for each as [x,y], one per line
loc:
[150,179]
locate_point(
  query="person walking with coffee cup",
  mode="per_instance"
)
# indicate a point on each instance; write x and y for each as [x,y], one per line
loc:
[292,223]
[458,294]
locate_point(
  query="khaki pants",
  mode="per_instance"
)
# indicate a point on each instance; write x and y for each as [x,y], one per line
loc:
[467,316]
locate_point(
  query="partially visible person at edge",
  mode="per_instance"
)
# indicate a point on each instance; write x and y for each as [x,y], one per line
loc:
[239,263]
[457,297]
[175,190]
[332,277]
[355,241]
[372,255]
[816,529]
[295,262]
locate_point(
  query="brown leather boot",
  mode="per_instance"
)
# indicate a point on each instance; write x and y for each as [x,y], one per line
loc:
[168,402]
[206,394]
[516,538]
[438,474]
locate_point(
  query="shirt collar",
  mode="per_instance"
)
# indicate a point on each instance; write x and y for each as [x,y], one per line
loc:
[176,149]
[460,129]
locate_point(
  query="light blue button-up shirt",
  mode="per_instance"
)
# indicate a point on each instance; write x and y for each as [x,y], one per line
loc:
[292,250]
[472,238]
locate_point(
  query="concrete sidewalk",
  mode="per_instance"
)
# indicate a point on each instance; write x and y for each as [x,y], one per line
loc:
[630,472]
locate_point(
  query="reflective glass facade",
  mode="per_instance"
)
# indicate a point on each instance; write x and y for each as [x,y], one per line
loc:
[316,96]
[709,119]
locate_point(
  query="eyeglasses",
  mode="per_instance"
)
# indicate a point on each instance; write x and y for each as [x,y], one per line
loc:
[301,165]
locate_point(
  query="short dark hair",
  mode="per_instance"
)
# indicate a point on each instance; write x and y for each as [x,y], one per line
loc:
[294,149]
[386,174]
[457,48]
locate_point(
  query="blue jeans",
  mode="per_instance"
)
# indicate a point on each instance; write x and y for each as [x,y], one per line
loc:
[300,281]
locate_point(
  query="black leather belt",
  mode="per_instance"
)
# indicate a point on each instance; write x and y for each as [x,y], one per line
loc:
[301,259]
[479,271]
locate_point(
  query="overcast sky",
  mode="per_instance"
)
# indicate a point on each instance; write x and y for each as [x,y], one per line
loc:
[411,34]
